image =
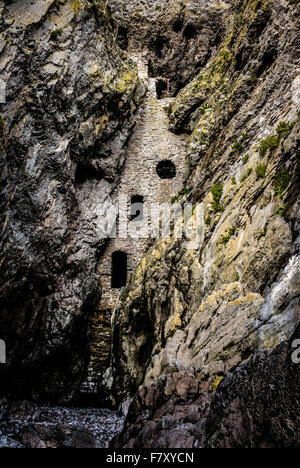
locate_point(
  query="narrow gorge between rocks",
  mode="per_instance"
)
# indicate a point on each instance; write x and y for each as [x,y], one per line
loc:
[150,224]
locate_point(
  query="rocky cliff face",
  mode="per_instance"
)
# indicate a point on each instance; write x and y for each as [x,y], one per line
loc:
[71,97]
[207,309]
[179,37]
[220,309]
[175,412]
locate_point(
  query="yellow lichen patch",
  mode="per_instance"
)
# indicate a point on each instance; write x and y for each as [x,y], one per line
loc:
[244,300]
[125,80]
[102,124]
[157,254]
[77,6]
[217,382]
[144,264]
[176,322]
[173,324]
[269,342]
[227,293]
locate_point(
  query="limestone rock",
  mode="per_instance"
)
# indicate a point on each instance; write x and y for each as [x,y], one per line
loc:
[209,307]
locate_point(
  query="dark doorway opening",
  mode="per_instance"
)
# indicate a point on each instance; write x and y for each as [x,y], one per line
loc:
[122,37]
[160,46]
[118,270]
[178,25]
[190,32]
[166,169]
[267,61]
[162,89]
[137,208]
[84,173]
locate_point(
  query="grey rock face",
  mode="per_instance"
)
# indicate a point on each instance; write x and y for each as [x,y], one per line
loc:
[256,406]
[212,307]
[70,104]
[178,37]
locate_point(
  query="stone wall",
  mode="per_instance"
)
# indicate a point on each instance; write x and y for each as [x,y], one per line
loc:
[150,143]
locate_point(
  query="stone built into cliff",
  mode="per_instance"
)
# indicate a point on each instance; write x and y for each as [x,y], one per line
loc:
[152,174]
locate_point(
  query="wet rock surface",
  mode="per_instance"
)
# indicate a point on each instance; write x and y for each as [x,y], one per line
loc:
[24,425]
[256,406]
[217,313]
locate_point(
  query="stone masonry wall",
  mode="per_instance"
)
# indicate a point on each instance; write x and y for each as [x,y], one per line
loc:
[150,143]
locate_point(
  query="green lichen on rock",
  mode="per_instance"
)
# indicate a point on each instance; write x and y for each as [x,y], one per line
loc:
[237,146]
[281,183]
[263,233]
[282,211]
[184,191]
[261,171]
[217,192]
[208,220]
[284,129]
[215,384]
[247,174]
[226,237]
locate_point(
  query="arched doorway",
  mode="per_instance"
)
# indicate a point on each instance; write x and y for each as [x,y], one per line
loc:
[118,270]
[137,208]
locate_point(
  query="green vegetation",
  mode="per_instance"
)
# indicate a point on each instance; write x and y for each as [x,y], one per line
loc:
[233,180]
[261,171]
[204,108]
[245,158]
[225,239]
[181,193]
[281,183]
[223,87]
[270,143]
[184,191]
[237,146]
[245,176]
[237,277]
[217,191]
[253,76]
[244,136]
[208,221]
[263,233]
[281,211]
[238,143]
[284,129]
[158,7]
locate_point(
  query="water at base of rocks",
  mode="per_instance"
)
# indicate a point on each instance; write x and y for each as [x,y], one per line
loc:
[44,426]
